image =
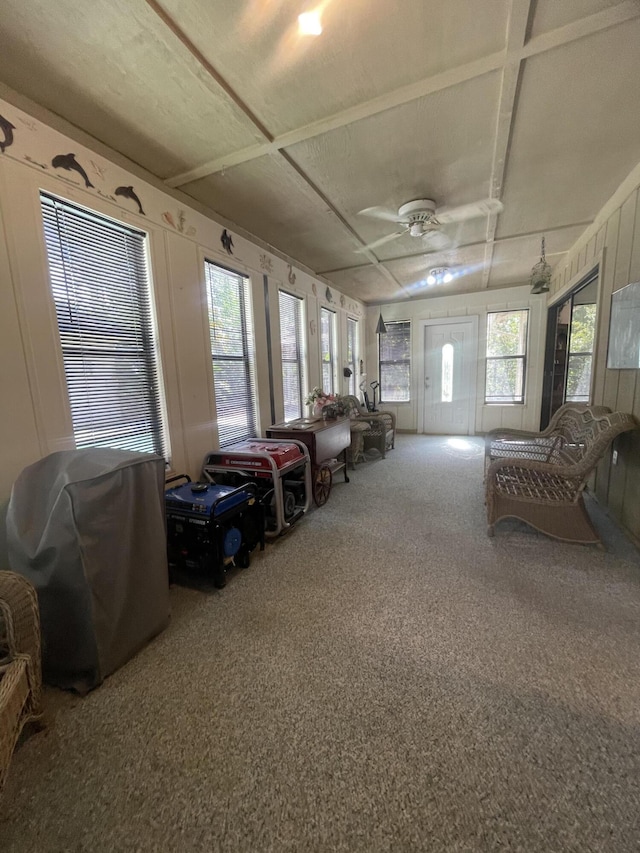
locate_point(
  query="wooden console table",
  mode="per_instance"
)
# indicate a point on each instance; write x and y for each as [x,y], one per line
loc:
[327,442]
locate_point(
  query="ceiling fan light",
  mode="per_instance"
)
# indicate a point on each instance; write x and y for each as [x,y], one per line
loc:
[440,275]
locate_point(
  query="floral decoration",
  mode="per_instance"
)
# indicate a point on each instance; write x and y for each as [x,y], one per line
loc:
[317,397]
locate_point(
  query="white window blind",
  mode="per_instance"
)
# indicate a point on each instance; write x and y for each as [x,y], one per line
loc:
[395,362]
[352,354]
[232,348]
[328,350]
[292,347]
[100,284]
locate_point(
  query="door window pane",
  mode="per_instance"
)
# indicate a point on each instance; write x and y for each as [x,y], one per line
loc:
[447,373]
[581,338]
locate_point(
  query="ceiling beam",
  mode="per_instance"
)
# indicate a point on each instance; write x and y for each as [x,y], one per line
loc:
[517,29]
[215,75]
[620,13]
[404,95]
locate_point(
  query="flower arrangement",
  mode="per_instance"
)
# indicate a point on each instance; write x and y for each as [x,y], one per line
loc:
[317,398]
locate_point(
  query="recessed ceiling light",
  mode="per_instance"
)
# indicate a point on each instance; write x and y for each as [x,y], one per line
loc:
[309,24]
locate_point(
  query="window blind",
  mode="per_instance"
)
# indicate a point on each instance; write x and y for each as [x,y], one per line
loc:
[231,334]
[395,362]
[100,284]
[328,354]
[352,354]
[292,347]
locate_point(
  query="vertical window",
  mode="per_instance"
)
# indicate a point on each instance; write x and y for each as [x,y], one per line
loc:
[447,374]
[394,351]
[292,348]
[231,333]
[328,350]
[581,338]
[352,354]
[506,356]
[100,284]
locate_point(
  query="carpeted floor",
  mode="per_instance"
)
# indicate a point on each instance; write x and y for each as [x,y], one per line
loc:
[384,678]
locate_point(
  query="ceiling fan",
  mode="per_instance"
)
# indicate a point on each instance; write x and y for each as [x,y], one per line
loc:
[421,218]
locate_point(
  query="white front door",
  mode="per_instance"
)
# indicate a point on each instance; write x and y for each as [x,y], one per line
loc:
[449,378]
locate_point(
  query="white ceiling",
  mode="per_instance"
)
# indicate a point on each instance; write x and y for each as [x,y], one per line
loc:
[532,102]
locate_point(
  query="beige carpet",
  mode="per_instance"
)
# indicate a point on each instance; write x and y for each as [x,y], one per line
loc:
[384,678]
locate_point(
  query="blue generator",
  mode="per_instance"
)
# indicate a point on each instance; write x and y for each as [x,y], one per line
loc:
[211,527]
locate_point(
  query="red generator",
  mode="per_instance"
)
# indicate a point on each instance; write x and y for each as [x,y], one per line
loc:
[280,470]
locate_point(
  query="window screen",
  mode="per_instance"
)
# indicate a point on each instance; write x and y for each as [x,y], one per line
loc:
[394,351]
[232,347]
[100,284]
[292,348]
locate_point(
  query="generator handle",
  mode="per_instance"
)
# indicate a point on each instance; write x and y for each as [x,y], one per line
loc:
[249,487]
[177,477]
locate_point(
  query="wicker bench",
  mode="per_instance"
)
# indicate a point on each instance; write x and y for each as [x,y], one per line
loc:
[548,493]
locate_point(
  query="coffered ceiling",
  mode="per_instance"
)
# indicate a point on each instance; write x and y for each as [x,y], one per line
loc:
[529,102]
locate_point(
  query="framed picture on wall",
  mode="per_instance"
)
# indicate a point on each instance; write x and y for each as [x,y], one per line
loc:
[624,328]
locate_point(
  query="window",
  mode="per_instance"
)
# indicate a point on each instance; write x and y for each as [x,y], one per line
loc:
[328,350]
[446,380]
[506,355]
[231,333]
[394,351]
[100,284]
[581,337]
[292,347]
[352,354]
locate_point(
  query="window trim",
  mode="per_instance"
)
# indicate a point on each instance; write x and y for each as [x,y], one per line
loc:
[301,347]
[523,358]
[146,322]
[353,366]
[248,345]
[333,349]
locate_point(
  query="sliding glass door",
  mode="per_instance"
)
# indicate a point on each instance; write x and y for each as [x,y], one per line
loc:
[571,333]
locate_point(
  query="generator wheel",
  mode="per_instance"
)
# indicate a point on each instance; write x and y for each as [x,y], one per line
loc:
[322,485]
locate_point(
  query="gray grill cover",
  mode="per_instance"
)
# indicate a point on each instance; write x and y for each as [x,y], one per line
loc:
[87,528]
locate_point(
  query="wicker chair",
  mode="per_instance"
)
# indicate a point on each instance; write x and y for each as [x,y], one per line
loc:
[368,429]
[20,664]
[523,444]
[548,494]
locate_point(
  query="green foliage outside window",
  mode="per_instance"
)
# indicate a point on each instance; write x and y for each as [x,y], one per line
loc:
[506,354]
